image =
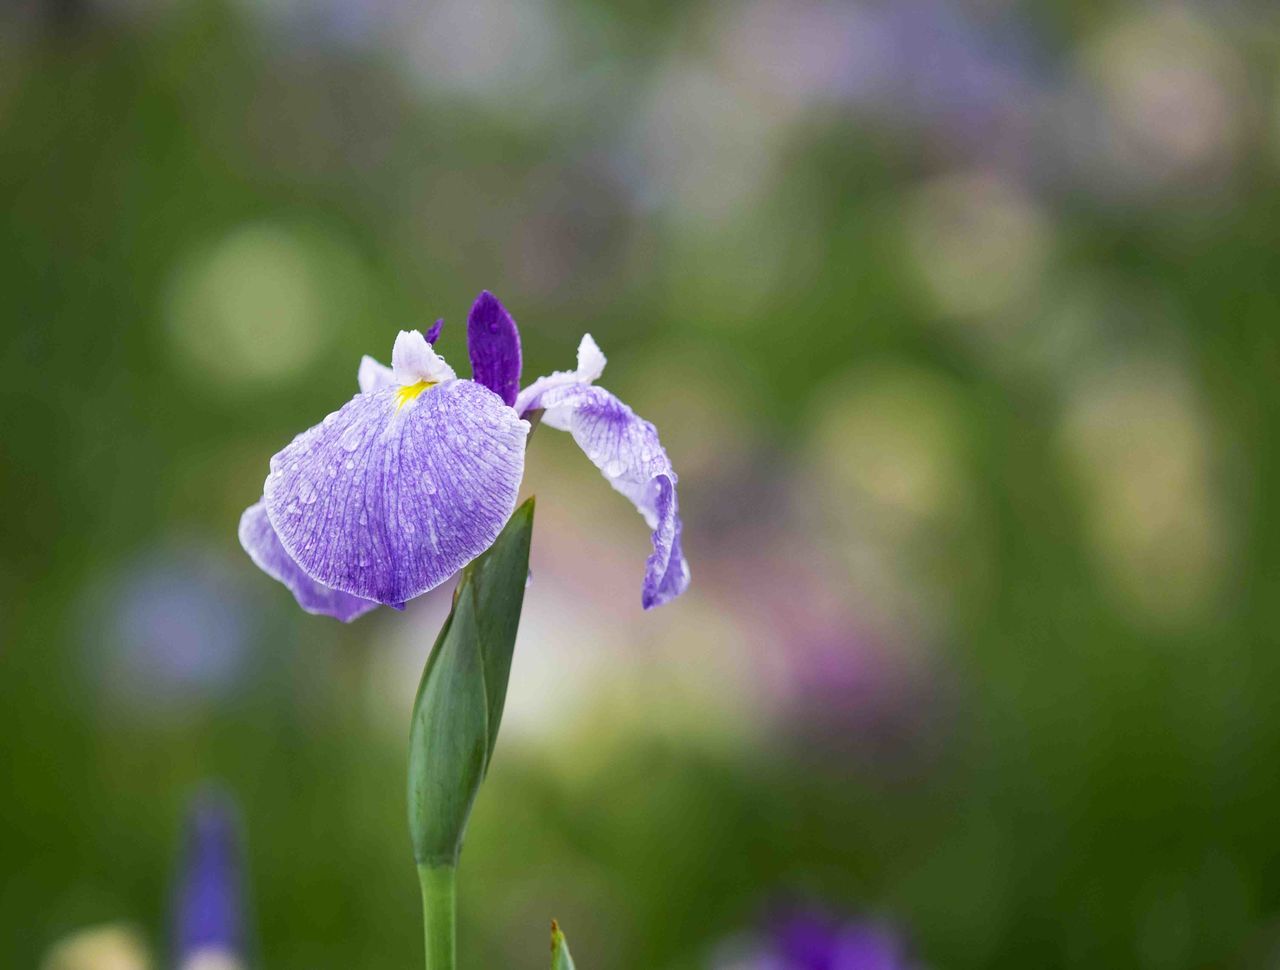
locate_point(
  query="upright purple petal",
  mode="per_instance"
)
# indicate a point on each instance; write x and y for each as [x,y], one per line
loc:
[494,343]
[625,447]
[434,333]
[387,497]
[263,546]
[208,917]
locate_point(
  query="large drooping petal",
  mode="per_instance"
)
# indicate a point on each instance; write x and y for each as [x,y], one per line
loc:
[591,363]
[494,343]
[387,497]
[263,546]
[625,447]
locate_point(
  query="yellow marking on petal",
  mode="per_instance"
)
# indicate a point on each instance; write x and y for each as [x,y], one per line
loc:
[409,392]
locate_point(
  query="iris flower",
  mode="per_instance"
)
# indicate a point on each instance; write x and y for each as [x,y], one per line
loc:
[416,475]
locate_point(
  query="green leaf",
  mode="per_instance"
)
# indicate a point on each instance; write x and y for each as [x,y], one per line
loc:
[560,958]
[498,580]
[460,699]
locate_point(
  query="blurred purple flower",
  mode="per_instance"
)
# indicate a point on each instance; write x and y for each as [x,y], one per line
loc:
[416,476]
[813,939]
[208,905]
[169,628]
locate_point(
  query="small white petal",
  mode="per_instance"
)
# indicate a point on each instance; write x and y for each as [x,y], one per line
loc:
[591,361]
[414,360]
[374,376]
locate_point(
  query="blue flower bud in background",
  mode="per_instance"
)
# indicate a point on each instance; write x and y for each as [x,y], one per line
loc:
[208,905]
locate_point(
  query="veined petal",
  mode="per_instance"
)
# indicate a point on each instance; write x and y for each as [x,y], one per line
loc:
[494,344]
[263,546]
[591,363]
[374,376]
[387,499]
[625,447]
[413,360]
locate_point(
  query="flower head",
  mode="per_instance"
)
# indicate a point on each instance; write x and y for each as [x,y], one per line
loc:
[208,921]
[416,475]
[812,939]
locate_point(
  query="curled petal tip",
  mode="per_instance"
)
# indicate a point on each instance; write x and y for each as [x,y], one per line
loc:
[591,363]
[626,449]
[259,540]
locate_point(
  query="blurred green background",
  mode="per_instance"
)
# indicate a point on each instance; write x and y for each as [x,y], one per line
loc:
[960,321]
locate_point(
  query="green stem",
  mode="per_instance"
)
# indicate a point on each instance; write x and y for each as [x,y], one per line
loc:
[439,915]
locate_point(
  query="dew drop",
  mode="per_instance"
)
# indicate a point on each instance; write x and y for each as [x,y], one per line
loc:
[350,464]
[351,438]
[306,491]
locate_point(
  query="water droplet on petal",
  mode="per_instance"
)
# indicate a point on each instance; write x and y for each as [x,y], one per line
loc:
[351,438]
[350,464]
[306,491]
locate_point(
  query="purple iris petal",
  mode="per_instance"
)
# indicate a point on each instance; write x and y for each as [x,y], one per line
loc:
[434,333]
[494,343]
[263,546]
[207,918]
[391,495]
[625,447]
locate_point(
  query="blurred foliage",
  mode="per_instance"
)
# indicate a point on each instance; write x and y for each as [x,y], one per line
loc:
[983,372]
